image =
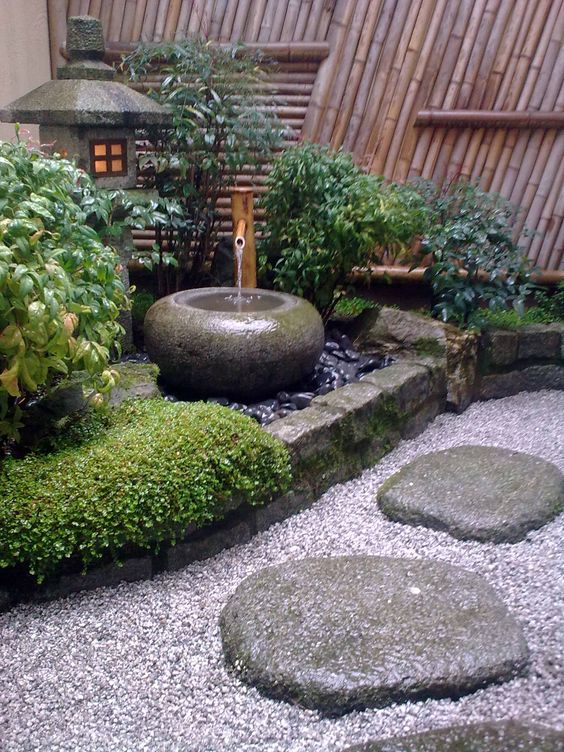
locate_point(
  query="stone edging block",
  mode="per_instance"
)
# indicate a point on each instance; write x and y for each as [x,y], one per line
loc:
[333,440]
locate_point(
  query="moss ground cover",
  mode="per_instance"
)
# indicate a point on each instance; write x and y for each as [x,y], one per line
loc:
[141,476]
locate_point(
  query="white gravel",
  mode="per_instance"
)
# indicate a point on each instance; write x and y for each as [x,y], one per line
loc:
[139,667]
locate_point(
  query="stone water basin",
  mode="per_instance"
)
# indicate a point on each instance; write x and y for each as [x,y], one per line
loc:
[213,341]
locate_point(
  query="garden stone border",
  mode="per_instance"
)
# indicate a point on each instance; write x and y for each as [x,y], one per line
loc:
[343,432]
[331,441]
[497,363]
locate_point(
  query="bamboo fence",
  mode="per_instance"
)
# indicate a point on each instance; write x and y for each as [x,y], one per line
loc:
[430,88]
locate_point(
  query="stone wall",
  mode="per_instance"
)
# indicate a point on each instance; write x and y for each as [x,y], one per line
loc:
[526,359]
[347,430]
[333,440]
[497,363]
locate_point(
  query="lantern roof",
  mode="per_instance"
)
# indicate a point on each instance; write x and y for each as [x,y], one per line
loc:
[85,92]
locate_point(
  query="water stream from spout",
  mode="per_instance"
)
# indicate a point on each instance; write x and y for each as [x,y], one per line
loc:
[239,249]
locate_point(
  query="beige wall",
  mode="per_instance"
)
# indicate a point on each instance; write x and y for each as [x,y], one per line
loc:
[24,52]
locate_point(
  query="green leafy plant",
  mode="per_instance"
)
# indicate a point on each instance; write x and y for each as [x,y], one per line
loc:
[139,477]
[140,303]
[324,216]
[60,287]
[549,309]
[475,261]
[352,307]
[221,124]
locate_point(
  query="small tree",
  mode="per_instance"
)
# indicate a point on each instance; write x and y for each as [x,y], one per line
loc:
[221,125]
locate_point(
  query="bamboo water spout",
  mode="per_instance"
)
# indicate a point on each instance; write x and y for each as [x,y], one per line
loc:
[244,250]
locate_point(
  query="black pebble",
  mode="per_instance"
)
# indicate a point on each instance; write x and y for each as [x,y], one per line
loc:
[302,399]
[218,401]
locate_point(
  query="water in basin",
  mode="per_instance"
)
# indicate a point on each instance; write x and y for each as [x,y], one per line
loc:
[234,303]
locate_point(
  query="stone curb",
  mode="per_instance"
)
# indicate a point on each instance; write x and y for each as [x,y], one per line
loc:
[331,441]
[335,439]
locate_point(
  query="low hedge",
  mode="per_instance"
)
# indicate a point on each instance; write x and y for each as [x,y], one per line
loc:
[155,469]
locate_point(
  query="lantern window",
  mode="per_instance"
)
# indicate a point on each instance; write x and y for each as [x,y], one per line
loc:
[108,157]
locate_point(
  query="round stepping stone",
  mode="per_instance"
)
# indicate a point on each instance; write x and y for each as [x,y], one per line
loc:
[346,633]
[475,493]
[500,736]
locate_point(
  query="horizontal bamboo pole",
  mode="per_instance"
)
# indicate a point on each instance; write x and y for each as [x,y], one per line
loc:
[489,119]
[280,52]
[405,274]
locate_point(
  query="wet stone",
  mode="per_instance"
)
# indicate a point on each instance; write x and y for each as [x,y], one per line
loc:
[331,346]
[218,401]
[475,493]
[302,400]
[346,633]
[338,365]
[496,736]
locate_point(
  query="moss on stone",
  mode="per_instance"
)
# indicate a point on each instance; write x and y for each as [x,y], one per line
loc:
[346,456]
[429,346]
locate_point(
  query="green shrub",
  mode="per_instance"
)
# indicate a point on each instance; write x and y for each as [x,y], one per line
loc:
[221,127]
[549,309]
[155,469]
[323,216]
[60,287]
[475,260]
[140,303]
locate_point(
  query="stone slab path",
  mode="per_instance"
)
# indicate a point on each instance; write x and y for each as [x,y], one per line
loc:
[475,493]
[341,633]
[480,737]
[139,668]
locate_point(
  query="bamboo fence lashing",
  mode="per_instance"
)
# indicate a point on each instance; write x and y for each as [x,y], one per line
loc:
[389,61]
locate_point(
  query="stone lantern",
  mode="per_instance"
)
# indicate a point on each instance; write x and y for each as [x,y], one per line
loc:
[89,117]
[85,113]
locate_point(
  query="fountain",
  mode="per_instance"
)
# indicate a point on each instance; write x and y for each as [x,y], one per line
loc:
[233,342]
[237,342]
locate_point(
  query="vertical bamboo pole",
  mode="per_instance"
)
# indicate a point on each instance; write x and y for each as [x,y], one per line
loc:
[171,21]
[240,20]
[256,16]
[290,21]
[228,19]
[105,16]
[138,20]
[369,130]
[242,209]
[342,74]
[149,20]
[381,130]
[357,71]
[126,34]
[57,20]
[95,8]
[278,21]
[312,25]
[266,21]
[114,31]
[299,31]
[160,20]
[217,18]
[557,256]
[366,85]
[197,19]
[404,106]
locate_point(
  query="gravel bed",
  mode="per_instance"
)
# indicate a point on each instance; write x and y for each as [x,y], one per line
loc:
[139,667]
